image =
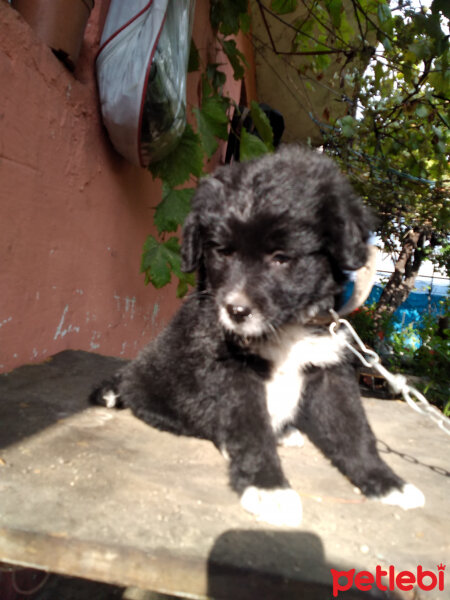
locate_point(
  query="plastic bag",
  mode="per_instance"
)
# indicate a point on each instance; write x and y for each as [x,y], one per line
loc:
[141,73]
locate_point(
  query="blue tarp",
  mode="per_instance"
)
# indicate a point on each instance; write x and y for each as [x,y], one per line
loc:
[424,300]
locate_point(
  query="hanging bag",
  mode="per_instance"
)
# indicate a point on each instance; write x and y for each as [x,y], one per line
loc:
[141,73]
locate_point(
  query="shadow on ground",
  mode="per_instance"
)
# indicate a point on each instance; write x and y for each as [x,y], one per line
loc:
[34,397]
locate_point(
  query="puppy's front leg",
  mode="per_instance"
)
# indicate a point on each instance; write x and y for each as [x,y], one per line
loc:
[334,418]
[255,468]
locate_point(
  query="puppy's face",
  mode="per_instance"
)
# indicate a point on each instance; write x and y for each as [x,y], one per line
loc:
[271,239]
[263,274]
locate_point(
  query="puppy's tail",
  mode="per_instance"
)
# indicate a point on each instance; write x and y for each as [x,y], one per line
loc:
[107,394]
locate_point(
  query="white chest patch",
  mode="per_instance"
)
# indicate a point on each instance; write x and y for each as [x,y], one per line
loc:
[295,349]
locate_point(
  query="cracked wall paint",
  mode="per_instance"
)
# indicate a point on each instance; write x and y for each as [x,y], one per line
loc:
[5,321]
[82,209]
[60,332]
[130,304]
[155,313]
[96,335]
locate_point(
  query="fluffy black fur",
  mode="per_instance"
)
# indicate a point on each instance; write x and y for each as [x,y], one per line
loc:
[271,240]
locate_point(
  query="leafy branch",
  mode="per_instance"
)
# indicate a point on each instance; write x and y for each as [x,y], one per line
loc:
[161,256]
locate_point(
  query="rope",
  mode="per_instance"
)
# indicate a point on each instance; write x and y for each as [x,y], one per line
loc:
[31,591]
[14,570]
[369,358]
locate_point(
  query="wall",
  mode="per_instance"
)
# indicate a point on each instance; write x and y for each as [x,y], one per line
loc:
[73,214]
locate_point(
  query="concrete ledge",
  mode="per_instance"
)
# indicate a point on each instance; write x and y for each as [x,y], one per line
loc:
[97,494]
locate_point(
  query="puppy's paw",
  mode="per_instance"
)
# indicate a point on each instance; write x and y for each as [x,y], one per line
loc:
[105,396]
[291,438]
[111,399]
[280,506]
[407,497]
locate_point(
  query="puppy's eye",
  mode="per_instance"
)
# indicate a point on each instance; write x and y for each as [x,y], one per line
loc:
[279,258]
[222,250]
[225,250]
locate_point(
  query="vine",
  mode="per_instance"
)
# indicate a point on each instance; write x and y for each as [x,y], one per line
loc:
[161,256]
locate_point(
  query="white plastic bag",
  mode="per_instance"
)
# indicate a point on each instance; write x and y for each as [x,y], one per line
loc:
[141,73]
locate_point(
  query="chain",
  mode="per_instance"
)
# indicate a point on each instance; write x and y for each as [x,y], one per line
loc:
[369,358]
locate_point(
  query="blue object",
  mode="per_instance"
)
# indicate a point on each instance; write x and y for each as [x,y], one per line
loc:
[421,301]
[408,318]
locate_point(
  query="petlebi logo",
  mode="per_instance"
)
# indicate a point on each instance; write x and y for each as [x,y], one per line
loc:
[389,579]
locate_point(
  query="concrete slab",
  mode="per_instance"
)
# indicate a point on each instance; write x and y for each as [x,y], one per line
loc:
[94,493]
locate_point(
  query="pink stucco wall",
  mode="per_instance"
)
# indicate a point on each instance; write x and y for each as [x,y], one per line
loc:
[73,213]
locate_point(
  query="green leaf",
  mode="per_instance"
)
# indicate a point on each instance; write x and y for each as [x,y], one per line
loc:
[225,15]
[321,62]
[430,24]
[216,78]
[245,22]
[173,208]
[236,58]
[262,124]
[385,17]
[378,70]
[173,254]
[305,30]
[347,125]
[282,7]
[422,111]
[384,12]
[184,160]
[440,79]
[212,121]
[421,49]
[334,8]
[159,259]
[441,5]
[346,31]
[184,281]
[251,146]
[386,43]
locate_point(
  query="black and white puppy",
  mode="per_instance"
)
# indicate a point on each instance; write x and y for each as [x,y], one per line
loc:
[245,362]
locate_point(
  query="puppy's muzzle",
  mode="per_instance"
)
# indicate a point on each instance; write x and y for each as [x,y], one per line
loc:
[239,315]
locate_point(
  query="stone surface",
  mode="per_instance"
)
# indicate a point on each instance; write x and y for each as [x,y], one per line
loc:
[94,493]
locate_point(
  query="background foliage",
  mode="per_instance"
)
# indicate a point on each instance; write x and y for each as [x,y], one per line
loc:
[393,142]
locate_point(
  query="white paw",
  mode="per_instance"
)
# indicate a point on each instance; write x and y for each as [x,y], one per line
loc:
[292,438]
[110,399]
[281,506]
[406,498]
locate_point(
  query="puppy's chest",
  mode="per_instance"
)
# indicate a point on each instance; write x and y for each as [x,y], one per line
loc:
[284,390]
[294,351]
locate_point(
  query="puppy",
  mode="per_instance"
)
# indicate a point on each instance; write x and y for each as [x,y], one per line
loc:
[246,360]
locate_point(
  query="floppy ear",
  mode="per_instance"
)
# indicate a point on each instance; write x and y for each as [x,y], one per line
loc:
[351,245]
[205,201]
[191,247]
[349,227]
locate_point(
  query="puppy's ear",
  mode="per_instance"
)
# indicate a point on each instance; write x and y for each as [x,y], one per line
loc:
[205,202]
[191,247]
[349,227]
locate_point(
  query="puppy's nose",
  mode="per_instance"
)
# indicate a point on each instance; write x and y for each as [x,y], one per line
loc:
[238,312]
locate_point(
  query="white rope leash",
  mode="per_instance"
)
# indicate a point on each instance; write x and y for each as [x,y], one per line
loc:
[369,358]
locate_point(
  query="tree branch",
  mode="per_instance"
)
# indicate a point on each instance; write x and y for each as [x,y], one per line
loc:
[263,9]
